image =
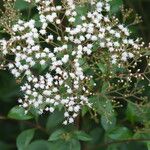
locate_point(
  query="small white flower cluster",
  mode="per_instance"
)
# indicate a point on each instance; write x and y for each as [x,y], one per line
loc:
[59,51]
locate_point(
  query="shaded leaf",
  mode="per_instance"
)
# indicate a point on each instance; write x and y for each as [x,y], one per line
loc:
[40,145]
[84,110]
[74,145]
[81,135]
[131,112]
[9,88]
[65,145]
[115,6]
[52,122]
[120,133]
[24,139]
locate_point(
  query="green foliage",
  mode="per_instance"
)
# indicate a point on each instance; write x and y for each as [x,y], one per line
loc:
[21,5]
[39,145]
[65,145]
[120,133]
[116,6]
[132,113]
[80,135]
[108,122]
[52,122]
[24,139]
[18,113]
[56,135]
[81,11]
[148,145]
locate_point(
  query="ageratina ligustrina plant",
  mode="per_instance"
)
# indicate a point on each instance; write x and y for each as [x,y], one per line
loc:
[75,56]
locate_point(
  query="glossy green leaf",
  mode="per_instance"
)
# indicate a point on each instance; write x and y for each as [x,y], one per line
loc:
[40,145]
[56,135]
[18,113]
[65,145]
[81,135]
[120,133]
[24,139]
[21,4]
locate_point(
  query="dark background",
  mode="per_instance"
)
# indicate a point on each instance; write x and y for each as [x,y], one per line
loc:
[142,7]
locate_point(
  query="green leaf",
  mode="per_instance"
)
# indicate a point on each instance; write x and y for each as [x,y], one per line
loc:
[115,6]
[81,11]
[37,20]
[127,146]
[40,69]
[102,67]
[120,133]
[65,145]
[21,4]
[18,113]
[24,139]
[97,135]
[84,110]
[54,120]
[113,147]
[105,87]
[104,107]
[56,135]
[74,145]
[39,145]
[142,135]
[108,121]
[58,145]
[81,135]
[132,113]
[148,145]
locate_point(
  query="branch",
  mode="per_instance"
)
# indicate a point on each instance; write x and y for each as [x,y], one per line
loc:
[37,126]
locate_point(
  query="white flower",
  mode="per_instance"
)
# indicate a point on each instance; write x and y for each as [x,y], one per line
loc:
[65,58]
[51,109]
[63,52]
[71,120]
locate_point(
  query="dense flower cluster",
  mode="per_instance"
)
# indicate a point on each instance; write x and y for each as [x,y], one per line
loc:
[57,46]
